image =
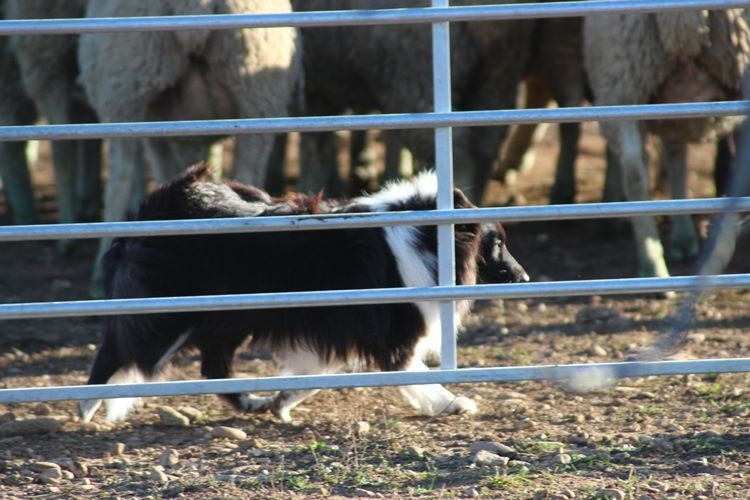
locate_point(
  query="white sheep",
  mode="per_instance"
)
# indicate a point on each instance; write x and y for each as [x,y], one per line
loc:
[15,109]
[185,75]
[48,74]
[389,69]
[691,56]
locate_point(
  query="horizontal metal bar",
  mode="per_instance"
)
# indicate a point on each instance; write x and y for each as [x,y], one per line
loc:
[354,17]
[341,221]
[604,372]
[372,296]
[374,121]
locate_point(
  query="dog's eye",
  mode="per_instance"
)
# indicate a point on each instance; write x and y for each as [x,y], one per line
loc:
[499,243]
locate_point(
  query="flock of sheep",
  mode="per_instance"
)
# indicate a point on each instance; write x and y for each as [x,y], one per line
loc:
[609,59]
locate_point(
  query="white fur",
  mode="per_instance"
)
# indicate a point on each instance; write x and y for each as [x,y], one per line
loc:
[423,184]
[298,362]
[434,399]
[118,409]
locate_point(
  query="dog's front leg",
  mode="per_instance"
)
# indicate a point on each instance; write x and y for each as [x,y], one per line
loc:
[434,399]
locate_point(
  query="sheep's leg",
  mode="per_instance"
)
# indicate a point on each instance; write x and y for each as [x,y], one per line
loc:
[612,178]
[398,159]
[319,164]
[683,238]
[298,362]
[519,153]
[17,182]
[89,180]
[564,189]
[626,140]
[123,155]
[251,156]
[434,399]
[275,177]
[138,193]
[726,150]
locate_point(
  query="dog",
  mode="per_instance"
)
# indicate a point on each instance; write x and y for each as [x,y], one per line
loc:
[305,340]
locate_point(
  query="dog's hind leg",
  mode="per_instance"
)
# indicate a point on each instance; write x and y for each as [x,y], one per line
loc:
[434,399]
[106,364]
[216,363]
[298,362]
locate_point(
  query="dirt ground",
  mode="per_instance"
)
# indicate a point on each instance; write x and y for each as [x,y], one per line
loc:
[656,437]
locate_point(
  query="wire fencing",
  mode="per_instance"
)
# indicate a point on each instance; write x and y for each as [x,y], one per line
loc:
[442,120]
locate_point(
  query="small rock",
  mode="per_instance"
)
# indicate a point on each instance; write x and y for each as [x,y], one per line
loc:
[118,449]
[697,338]
[191,413]
[41,409]
[564,458]
[362,428]
[66,474]
[228,433]
[611,494]
[597,350]
[523,423]
[657,443]
[169,458]
[157,474]
[415,451]
[44,466]
[472,493]
[492,447]
[54,490]
[29,426]
[171,417]
[51,476]
[7,417]
[486,458]
[90,427]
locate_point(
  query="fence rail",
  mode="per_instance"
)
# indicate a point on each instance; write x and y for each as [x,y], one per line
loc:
[356,17]
[439,15]
[359,220]
[367,122]
[593,375]
[372,296]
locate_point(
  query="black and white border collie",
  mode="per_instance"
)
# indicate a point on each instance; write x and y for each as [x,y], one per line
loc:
[312,340]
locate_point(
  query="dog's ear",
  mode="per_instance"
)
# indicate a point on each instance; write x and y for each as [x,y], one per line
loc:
[460,200]
[199,172]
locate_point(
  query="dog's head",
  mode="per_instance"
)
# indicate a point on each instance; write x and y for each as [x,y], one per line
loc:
[496,264]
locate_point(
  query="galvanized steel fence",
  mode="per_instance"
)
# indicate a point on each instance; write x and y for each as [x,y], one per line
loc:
[442,119]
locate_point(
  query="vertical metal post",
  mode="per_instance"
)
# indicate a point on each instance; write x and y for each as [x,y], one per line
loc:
[441,71]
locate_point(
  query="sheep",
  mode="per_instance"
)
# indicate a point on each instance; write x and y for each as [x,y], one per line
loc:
[132,77]
[660,58]
[389,68]
[49,73]
[556,73]
[15,109]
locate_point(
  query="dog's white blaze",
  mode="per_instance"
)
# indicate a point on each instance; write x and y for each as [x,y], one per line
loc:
[118,409]
[423,185]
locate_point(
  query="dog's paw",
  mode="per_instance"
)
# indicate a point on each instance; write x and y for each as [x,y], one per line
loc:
[462,405]
[87,408]
[282,413]
[256,404]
